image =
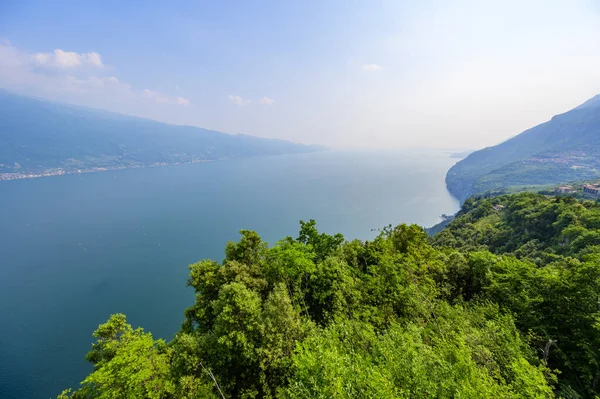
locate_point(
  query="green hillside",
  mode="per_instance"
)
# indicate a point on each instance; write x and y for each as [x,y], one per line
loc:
[566,148]
[502,303]
[41,137]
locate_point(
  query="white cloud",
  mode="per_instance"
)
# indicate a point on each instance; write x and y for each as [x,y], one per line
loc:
[67,59]
[110,85]
[182,101]
[164,98]
[94,84]
[237,100]
[267,101]
[158,97]
[10,57]
[371,67]
[20,71]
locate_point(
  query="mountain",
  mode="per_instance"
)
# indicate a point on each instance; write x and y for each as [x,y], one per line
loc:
[566,148]
[44,138]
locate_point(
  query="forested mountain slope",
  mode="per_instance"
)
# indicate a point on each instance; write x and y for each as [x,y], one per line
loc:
[503,303]
[566,148]
[42,137]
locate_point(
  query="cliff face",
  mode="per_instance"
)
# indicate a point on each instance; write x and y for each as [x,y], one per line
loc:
[566,148]
[460,188]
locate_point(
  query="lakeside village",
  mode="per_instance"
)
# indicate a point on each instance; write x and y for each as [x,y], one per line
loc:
[591,191]
[62,171]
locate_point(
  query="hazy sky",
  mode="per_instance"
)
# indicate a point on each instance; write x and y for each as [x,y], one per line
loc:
[462,74]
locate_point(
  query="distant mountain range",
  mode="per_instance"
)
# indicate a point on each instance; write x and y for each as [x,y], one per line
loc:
[40,138]
[564,149]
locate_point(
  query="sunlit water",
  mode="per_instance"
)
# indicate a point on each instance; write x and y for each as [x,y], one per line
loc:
[74,249]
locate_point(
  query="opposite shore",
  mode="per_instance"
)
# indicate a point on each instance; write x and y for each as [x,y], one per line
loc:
[62,171]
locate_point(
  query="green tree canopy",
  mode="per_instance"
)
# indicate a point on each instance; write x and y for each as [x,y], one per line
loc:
[502,303]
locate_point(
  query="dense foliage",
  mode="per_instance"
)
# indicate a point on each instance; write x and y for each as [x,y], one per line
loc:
[502,303]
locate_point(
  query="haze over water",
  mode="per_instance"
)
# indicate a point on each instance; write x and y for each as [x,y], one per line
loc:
[75,249]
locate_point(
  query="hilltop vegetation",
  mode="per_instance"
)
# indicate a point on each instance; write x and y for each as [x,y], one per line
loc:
[566,148]
[501,303]
[43,138]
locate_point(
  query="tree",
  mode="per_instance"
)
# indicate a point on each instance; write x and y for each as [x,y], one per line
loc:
[501,303]
[128,363]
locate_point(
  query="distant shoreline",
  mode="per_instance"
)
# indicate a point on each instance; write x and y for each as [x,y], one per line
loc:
[61,171]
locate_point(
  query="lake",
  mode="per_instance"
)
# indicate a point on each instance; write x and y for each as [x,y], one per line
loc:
[75,249]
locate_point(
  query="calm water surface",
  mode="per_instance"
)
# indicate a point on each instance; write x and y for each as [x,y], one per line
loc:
[74,249]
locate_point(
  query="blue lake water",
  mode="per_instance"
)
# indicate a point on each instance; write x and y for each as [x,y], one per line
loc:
[74,249]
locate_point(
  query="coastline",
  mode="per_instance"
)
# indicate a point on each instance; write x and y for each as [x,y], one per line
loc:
[62,171]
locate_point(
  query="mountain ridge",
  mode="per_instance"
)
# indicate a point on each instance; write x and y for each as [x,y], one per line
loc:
[565,148]
[43,138]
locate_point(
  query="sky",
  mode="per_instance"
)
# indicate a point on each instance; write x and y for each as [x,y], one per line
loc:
[369,74]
